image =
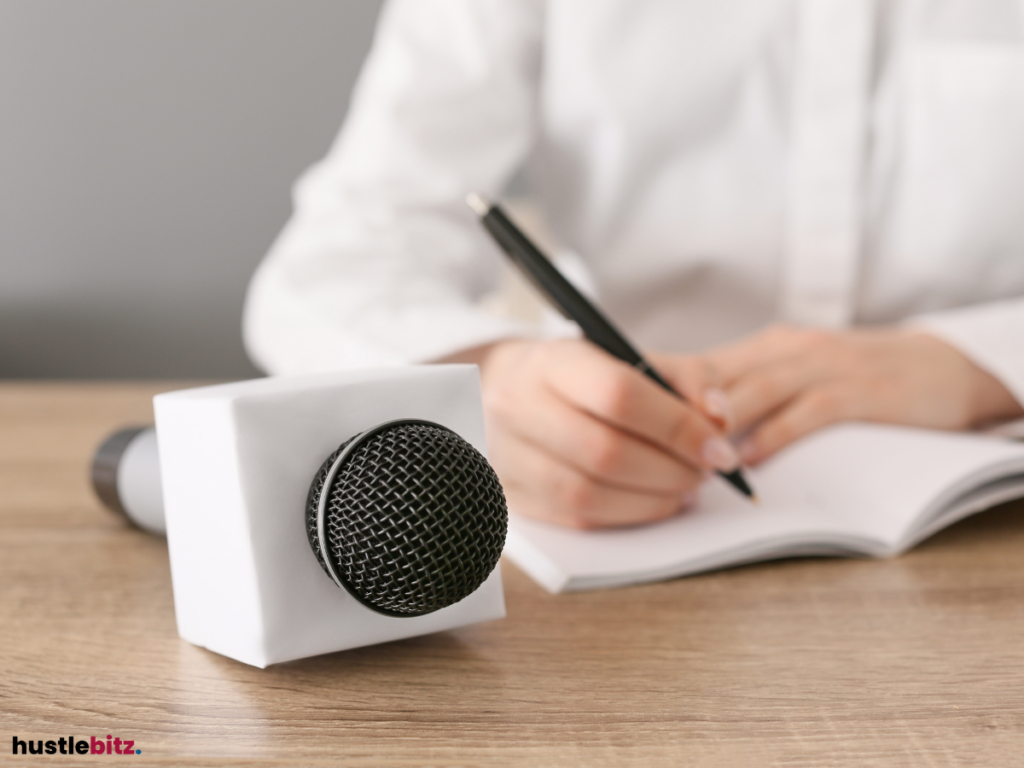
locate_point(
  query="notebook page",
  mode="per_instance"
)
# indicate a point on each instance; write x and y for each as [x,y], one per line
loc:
[854,487]
[877,480]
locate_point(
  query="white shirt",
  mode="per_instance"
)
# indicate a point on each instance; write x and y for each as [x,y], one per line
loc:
[716,164]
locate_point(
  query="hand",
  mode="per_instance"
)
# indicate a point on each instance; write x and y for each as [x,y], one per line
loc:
[582,439]
[786,382]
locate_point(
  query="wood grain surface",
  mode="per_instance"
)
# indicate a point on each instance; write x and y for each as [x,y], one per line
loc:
[912,661]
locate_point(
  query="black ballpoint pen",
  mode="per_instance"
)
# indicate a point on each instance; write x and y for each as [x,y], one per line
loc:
[571,303]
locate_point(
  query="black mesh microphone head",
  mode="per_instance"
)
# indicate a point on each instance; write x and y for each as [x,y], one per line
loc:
[408,517]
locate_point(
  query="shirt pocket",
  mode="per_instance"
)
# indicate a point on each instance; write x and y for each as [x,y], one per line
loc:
[957,229]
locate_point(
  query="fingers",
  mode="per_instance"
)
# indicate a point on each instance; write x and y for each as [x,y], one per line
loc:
[774,343]
[625,399]
[691,376]
[768,388]
[700,383]
[581,439]
[545,488]
[764,372]
[786,382]
[809,411]
[600,451]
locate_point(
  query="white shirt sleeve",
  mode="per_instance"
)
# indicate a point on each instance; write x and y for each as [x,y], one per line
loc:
[991,335]
[382,262]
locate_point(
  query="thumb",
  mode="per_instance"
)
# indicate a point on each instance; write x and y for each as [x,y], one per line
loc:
[698,381]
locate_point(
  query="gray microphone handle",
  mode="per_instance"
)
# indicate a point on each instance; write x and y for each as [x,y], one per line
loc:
[126,477]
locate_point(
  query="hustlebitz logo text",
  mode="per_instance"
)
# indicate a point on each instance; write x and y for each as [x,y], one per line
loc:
[111,745]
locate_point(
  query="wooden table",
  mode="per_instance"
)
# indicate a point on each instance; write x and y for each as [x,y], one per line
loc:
[914,661]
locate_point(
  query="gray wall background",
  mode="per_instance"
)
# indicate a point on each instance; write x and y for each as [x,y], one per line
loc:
[147,150]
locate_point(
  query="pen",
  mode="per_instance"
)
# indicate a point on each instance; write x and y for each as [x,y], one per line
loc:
[571,303]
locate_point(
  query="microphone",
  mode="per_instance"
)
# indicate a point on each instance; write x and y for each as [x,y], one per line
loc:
[316,513]
[125,475]
[407,516]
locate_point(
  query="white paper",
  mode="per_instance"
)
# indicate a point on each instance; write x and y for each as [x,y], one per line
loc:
[855,488]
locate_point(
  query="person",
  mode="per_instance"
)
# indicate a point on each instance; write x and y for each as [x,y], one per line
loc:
[808,211]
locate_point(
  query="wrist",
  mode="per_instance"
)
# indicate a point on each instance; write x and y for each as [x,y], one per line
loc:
[992,401]
[987,399]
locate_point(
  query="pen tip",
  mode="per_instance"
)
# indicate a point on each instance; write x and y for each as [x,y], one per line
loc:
[478,203]
[754,500]
[739,482]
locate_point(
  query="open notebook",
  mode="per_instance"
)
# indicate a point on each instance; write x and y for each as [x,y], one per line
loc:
[855,489]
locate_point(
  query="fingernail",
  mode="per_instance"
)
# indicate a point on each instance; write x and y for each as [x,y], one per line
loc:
[688,499]
[716,404]
[748,452]
[720,454]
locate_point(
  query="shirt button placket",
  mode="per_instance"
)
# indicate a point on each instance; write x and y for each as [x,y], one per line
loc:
[829,141]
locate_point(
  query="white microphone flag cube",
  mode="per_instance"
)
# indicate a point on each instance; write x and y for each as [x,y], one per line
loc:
[237,461]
